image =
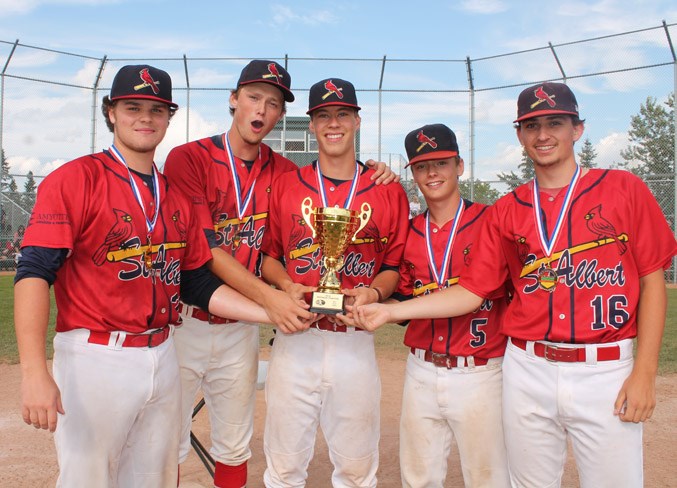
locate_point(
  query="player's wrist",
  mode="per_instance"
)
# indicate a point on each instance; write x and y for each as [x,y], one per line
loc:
[379,294]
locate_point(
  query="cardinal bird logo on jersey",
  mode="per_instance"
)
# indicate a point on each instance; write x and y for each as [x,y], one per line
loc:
[602,228]
[522,248]
[218,215]
[298,231]
[148,80]
[116,237]
[425,141]
[542,96]
[179,226]
[332,88]
[370,234]
[273,73]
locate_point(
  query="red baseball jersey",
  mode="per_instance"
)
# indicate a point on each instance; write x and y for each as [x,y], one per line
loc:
[613,234]
[475,334]
[88,207]
[200,170]
[380,242]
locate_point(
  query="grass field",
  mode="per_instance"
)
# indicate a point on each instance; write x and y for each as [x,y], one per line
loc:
[389,337]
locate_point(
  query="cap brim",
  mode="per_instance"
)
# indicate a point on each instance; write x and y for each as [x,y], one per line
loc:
[286,93]
[329,104]
[540,113]
[431,156]
[144,97]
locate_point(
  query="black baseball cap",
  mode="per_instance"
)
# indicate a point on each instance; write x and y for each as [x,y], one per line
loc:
[332,91]
[433,141]
[261,71]
[142,81]
[546,99]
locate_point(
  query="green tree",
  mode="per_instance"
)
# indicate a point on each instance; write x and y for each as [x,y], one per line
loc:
[587,155]
[483,191]
[651,152]
[526,172]
[6,179]
[28,199]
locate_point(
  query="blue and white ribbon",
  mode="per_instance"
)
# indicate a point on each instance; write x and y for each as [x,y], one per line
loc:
[548,241]
[240,203]
[150,223]
[353,187]
[441,273]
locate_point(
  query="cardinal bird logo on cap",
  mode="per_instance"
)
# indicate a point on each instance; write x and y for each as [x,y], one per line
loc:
[332,88]
[425,140]
[273,73]
[148,80]
[542,96]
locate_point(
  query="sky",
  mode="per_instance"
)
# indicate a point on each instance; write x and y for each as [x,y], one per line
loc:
[46,125]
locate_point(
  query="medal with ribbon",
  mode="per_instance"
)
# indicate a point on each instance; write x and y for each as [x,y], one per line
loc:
[353,186]
[241,202]
[547,277]
[150,223]
[440,273]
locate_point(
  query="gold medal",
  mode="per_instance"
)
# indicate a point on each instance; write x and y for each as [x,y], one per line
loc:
[236,242]
[148,254]
[547,278]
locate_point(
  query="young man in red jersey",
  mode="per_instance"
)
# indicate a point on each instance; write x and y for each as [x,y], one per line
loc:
[327,375]
[228,178]
[115,240]
[453,381]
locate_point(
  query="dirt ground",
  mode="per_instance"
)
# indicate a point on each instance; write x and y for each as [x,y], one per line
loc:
[27,457]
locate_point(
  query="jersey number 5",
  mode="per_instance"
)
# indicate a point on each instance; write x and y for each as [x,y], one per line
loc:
[615,314]
[480,337]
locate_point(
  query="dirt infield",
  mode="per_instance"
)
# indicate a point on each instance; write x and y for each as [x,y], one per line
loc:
[27,457]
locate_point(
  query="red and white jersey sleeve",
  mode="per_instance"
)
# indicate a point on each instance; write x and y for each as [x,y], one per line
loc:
[200,169]
[614,234]
[380,242]
[475,334]
[87,206]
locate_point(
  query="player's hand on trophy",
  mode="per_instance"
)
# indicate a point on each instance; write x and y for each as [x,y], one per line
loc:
[40,401]
[383,175]
[288,309]
[371,316]
[354,297]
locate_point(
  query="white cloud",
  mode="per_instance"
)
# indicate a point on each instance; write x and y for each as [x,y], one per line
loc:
[484,6]
[609,149]
[284,15]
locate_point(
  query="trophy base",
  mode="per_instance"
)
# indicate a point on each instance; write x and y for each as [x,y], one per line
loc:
[327,303]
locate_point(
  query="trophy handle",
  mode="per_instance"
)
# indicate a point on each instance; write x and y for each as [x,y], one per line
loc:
[364,216]
[306,211]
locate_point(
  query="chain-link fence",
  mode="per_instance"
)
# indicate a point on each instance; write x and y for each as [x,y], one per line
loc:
[50,105]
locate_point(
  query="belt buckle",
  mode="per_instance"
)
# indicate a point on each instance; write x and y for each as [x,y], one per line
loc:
[562,354]
[150,336]
[441,360]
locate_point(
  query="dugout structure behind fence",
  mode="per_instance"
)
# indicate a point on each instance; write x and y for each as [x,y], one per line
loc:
[50,105]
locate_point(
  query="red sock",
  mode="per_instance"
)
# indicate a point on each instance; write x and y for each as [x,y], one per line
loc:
[230,476]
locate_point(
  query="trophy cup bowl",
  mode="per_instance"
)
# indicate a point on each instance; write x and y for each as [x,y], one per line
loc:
[334,228]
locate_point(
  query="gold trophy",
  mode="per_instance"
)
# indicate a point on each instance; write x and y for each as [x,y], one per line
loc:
[335,228]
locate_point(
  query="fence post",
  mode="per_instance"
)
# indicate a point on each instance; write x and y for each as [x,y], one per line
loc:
[95,89]
[471,152]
